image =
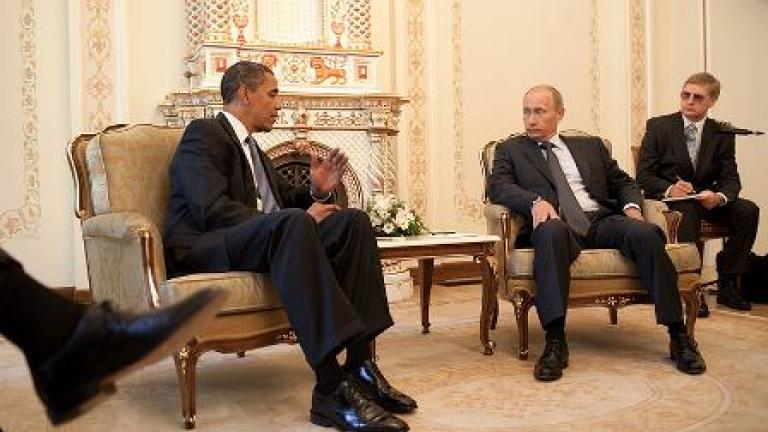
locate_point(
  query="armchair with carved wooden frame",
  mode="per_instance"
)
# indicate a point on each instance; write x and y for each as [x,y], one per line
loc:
[122,193]
[599,277]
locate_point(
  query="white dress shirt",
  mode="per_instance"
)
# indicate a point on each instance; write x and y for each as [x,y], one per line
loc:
[573,176]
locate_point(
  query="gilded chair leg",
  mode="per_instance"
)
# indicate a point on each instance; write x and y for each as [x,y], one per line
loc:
[495,314]
[186,365]
[692,300]
[522,302]
[614,314]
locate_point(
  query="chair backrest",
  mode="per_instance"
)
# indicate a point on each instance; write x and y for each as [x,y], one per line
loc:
[488,150]
[124,169]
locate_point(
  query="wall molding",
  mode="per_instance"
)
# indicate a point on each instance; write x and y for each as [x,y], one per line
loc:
[468,207]
[25,221]
[638,71]
[594,66]
[418,168]
[98,86]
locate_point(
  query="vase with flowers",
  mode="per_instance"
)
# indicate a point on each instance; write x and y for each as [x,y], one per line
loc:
[391,217]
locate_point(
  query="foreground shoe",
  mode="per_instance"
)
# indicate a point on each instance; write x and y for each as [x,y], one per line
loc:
[728,296]
[369,379]
[347,409]
[107,345]
[552,361]
[686,354]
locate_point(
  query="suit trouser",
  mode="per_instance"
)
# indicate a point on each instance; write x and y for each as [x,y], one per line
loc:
[33,317]
[556,247]
[328,275]
[740,216]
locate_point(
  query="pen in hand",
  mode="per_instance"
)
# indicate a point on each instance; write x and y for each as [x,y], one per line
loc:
[684,187]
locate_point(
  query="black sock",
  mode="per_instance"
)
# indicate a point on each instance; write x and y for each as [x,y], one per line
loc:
[36,319]
[328,374]
[675,328]
[357,354]
[555,329]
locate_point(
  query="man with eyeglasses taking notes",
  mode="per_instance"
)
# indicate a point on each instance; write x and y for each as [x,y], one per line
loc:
[683,154]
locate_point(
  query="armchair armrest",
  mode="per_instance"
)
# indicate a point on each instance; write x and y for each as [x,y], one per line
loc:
[506,225]
[659,214]
[125,259]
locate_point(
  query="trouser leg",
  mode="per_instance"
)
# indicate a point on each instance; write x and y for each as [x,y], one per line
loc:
[350,245]
[555,248]
[689,230]
[643,243]
[33,317]
[287,244]
[741,217]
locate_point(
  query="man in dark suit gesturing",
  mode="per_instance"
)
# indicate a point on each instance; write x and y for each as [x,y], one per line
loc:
[574,196]
[231,210]
[682,154]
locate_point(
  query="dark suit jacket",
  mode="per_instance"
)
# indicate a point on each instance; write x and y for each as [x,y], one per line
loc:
[212,189]
[664,156]
[520,174]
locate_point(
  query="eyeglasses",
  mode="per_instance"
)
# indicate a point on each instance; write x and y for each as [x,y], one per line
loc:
[697,98]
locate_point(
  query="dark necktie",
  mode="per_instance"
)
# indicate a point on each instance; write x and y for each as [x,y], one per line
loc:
[570,209]
[265,197]
[691,132]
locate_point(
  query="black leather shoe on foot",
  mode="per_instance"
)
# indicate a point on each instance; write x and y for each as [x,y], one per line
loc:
[369,379]
[703,309]
[107,345]
[686,354]
[552,361]
[728,296]
[347,409]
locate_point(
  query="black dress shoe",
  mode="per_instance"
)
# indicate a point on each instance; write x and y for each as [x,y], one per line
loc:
[107,345]
[552,361]
[686,354]
[347,409]
[728,296]
[369,379]
[703,311]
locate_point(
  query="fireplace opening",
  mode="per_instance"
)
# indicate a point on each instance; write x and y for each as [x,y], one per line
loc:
[291,159]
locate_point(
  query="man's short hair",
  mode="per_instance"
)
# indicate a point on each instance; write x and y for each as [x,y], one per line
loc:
[242,73]
[553,91]
[705,79]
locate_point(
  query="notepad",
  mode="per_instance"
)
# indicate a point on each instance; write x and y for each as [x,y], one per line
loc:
[682,198]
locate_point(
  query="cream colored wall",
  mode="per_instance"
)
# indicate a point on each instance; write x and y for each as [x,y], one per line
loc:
[155,46]
[735,43]
[676,50]
[737,57]
[474,67]
[45,250]
[479,65]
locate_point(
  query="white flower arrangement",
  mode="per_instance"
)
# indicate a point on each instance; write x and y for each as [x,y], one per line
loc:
[391,217]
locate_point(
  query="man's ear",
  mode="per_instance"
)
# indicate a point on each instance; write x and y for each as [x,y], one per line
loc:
[242,93]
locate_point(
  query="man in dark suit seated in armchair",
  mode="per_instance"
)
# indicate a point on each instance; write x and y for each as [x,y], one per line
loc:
[574,196]
[231,210]
[683,153]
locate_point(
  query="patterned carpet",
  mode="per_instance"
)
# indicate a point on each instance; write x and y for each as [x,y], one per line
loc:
[620,379]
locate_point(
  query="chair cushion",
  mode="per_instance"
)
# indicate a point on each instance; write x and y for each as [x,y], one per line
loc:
[602,263]
[248,292]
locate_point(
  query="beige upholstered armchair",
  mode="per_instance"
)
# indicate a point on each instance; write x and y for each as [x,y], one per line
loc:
[599,277]
[121,180]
